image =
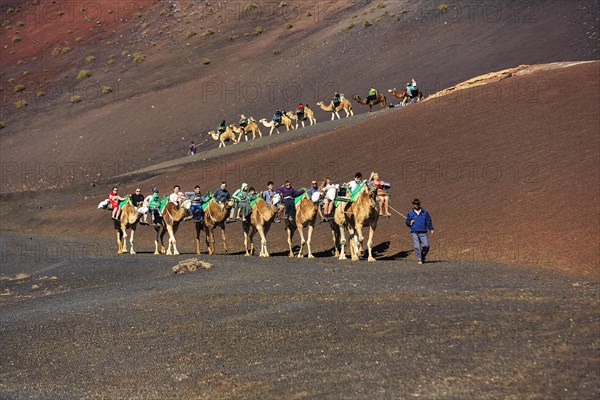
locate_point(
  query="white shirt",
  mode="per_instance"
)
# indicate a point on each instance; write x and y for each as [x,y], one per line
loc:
[174,198]
[353,184]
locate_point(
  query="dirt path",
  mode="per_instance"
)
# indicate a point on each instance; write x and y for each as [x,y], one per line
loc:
[87,324]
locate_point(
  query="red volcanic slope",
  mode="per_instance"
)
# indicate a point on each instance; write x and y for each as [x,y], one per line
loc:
[159,105]
[508,171]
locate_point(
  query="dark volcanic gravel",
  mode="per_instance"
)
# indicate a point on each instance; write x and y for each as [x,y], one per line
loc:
[87,324]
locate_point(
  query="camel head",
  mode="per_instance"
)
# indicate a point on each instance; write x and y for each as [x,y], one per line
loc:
[391,90]
[320,103]
[356,97]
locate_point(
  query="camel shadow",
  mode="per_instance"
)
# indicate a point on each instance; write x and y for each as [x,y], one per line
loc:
[383,247]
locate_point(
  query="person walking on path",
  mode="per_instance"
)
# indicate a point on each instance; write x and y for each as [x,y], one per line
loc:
[419,222]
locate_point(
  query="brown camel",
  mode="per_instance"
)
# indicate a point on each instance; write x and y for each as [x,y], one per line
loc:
[215,216]
[252,127]
[306,215]
[363,211]
[344,105]
[259,221]
[285,121]
[129,220]
[404,95]
[308,115]
[223,137]
[171,217]
[379,99]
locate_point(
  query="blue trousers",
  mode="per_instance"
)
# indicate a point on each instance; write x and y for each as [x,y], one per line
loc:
[197,211]
[421,244]
[290,207]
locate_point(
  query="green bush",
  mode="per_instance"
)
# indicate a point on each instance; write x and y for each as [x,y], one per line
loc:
[16,39]
[75,99]
[190,34]
[18,88]
[1,124]
[276,51]
[367,23]
[288,26]
[205,61]
[83,74]
[40,93]
[208,32]
[443,7]
[106,89]
[138,58]
[21,104]
[258,30]
[250,6]
[90,58]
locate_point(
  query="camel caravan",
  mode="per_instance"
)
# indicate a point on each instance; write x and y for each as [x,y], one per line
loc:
[347,207]
[303,115]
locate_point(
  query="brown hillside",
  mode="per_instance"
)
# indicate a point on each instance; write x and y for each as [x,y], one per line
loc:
[508,171]
[159,105]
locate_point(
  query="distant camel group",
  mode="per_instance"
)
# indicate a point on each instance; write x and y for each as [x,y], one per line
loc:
[234,133]
[348,216]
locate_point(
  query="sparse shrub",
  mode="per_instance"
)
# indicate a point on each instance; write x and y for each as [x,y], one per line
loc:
[88,19]
[276,51]
[110,61]
[258,30]
[65,50]
[18,88]
[163,12]
[40,93]
[190,34]
[144,25]
[308,13]
[90,58]
[208,32]
[354,16]
[55,51]
[6,22]
[250,6]
[20,23]
[106,89]
[110,11]
[233,37]
[282,4]
[138,58]
[247,34]
[205,61]
[404,12]
[20,62]
[443,7]
[25,73]
[21,104]
[124,53]
[16,39]
[60,13]
[83,74]
[11,10]
[381,4]
[378,20]
[367,23]
[75,99]
[137,15]
[11,80]
[349,26]
[288,26]
[1,124]
[78,39]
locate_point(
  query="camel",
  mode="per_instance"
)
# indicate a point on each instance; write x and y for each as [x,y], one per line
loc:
[404,95]
[306,215]
[171,217]
[379,99]
[308,114]
[285,120]
[223,137]
[215,216]
[260,221]
[251,127]
[129,220]
[363,211]
[344,105]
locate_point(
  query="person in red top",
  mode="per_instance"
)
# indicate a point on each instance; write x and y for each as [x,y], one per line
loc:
[114,200]
[381,193]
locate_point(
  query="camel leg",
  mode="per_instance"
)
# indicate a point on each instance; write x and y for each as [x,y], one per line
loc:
[171,239]
[131,251]
[253,230]
[259,132]
[198,231]
[245,138]
[224,242]
[342,243]
[262,231]
[302,241]
[119,243]
[308,240]
[156,242]
[163,232]
[290,235]
[245,229]
[370,243]
[210,240]
[123,239]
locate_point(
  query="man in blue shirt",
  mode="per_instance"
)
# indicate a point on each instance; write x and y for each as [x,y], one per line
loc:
[222,194]
[419,222]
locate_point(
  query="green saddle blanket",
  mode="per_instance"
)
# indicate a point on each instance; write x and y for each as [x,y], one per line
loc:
[352,196]
[297,199]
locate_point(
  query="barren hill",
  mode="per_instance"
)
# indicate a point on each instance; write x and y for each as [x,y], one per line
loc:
[201,62]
